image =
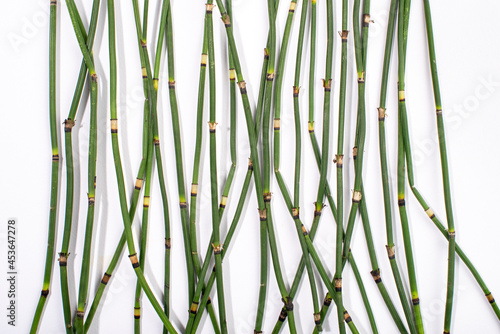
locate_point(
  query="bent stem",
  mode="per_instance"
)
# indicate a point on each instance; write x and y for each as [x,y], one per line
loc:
[68,145]
[384,169]
[444,169]
[121,184]
[49,257]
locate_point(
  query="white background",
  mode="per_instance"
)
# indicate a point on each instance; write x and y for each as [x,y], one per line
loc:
[467,45]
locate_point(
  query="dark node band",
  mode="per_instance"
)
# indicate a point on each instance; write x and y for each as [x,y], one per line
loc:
[133,259]
[105,278]
[401,202]
[327,301]
[288,304]
[79,314]
[376,276]
[209,301]
[168,243]
[283,315]
[182,205]
[45,293]
[226,20]
[347,317]
[415,301]
[55,157]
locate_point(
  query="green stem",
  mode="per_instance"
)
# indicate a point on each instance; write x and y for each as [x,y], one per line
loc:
[68,126]
[121,185]
[49,257]
[444,169]
[217,246]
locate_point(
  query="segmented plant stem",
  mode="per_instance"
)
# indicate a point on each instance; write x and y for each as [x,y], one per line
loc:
[217,246]
[49,257]
[178,155]
[402,40]
[68,126]
[85,271]
[384,169]
[339,160]
[121,185]
[267,162]
[444,169]
[298,155]
[161,178]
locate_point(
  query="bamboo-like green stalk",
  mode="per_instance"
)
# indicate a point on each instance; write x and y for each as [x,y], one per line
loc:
[314,142]
[227,241]
[68,145]
[298,155]
[384,169]
[197,149]
[263,228]
[178,155]
[120,179]
[339,161]
[430,213]
[161,178]
[403,19]
[362,206]
[360,131]
[85,271]
[266,215]
[49,257]
[217,246]
[277,148]
[444,169]
[144,231]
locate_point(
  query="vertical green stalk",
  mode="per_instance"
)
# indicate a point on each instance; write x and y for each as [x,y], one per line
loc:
[197,149]
[205,300]
[298,154]
[339,160]
[178,155]
[144,232]
[403,20]
[120,179]
[360,131]
[49,257]
[68,127]
[444,169]
[85,271]
[217,246]
[384,169]
[267,165]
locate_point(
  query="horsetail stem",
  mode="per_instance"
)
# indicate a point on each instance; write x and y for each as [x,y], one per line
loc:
[263,228]
[91,182]
[161,179]
[227,241]
[298,151]
[384,169]
[376,275]
[295,207]
[266,214]
[339,160]
[198,146]
[121,187]
[360,129]
[146,199]
[144,232]
[178,154]
[140,174]
[403,19]
[217,246]
[49,257]
[444,168]
[68,126]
